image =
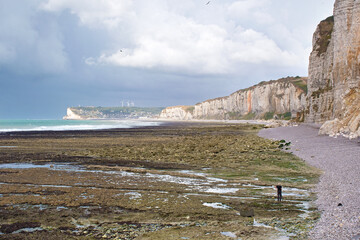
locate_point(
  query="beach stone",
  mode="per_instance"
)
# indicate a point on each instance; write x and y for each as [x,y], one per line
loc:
[106,235]
[338,158]
[9,228]
[247,212]
[356,237]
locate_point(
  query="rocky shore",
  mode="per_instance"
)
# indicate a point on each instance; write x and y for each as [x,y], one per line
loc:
[338,192]
[183,180]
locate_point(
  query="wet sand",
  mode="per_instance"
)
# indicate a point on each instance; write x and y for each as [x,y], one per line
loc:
[338,192]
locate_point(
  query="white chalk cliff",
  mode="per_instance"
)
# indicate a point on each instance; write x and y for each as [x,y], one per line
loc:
[334,72]
[285,96]
[177,113]
[70,115]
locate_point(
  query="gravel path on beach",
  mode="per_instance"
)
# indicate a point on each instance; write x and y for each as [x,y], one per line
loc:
[338,191]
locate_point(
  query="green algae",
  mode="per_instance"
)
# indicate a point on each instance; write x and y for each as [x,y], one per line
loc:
[231,152]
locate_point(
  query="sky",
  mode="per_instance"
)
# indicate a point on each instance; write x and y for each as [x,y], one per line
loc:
[56,54]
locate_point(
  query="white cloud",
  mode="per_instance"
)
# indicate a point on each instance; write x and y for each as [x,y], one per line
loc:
[188,36]
[250,12]
[207,49]
[109,13]
[254,47]
[169,35]
[245,8]
[177,44]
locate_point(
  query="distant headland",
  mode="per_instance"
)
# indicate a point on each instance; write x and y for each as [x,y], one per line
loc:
[83,113]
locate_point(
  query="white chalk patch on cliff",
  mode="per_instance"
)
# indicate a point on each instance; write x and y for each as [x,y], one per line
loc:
[177,113]
[70,115]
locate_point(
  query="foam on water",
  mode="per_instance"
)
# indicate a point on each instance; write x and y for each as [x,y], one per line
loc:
[66,125]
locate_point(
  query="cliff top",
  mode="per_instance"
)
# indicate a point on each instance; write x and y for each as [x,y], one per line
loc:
[180,106]
[298,82]
[105,110]
[183,107]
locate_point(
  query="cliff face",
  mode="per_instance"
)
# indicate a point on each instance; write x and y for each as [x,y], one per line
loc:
[260,101]
[334,71]
[283,98]
[70,115]
[178,113]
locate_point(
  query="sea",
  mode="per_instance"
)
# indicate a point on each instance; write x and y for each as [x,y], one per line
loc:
[65,125]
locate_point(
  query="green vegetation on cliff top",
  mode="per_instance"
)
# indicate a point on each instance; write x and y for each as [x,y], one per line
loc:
[108,110]
[326,28]
[116,112]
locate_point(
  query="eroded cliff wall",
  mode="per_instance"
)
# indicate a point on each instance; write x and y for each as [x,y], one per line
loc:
[281,98]
[334,71]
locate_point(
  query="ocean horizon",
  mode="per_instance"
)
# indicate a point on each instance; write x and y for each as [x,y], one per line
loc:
[16,125]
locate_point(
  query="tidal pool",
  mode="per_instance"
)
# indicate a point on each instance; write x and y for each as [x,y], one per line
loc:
[190,180]
[185,192]
[28,230]
[229,234]
[217,205]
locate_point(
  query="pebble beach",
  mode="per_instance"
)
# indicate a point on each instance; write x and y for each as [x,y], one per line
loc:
[338,190]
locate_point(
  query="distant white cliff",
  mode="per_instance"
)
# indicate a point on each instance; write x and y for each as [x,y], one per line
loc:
[70,115]
[284,98]
[178,113]
[81,113]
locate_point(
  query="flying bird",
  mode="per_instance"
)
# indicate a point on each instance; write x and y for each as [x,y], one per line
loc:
[208,3]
